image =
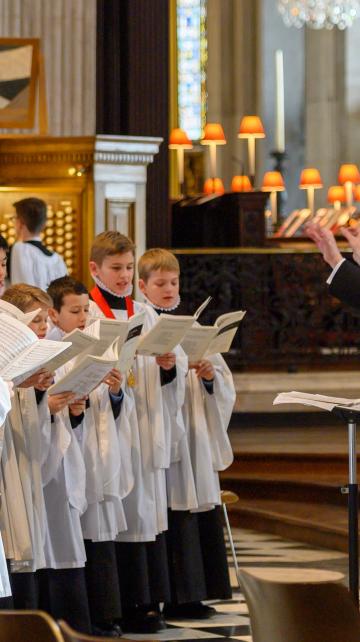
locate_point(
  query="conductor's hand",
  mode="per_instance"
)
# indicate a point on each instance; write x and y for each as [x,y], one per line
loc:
[204,369]
[114,380]
[78,407]
[59,402]
[326,243]
[166,361]
[37,380]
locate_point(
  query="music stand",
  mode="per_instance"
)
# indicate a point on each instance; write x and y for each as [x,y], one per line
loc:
[350,416]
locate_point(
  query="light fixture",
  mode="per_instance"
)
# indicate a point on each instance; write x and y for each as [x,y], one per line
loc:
[336,196]
[214,186]
[349,176]
[179,140]
[310,180]
[319,14]
[241,184]
[251,128]
[273,182]
[213,136]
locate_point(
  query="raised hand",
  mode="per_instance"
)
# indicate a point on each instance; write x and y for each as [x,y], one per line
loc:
[325,242]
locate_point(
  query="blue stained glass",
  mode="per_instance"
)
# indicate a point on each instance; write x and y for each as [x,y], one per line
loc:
[192,55]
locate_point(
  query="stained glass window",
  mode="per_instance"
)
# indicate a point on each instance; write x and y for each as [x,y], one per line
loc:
[192,58]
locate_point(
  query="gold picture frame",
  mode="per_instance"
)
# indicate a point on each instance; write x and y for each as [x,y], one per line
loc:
[19,73]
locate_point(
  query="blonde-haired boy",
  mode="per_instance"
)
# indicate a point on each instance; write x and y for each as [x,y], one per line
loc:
[42,528]
[197,554]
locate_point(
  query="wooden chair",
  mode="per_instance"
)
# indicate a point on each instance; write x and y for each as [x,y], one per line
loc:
[28,626]
[299,605]
[70,635]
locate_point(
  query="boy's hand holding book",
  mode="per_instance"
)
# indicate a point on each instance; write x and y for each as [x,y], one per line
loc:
[204,369]
[42,380]
[59,402]
[78,407]
[114,380]
[166,361]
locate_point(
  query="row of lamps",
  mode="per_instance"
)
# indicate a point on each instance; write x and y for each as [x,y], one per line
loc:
[251,128]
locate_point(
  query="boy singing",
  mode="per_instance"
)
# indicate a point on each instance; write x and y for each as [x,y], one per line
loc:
[197,555]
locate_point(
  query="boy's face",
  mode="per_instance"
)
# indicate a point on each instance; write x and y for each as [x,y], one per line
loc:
[73,313]
[161,288]
[39,323]
[116,271]
[3,261]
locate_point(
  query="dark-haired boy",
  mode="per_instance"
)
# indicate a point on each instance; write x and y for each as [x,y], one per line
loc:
[97,430]
[31,262]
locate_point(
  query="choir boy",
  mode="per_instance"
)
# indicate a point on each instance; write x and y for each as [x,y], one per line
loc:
[96,430]
[30,261]
[55,474]
[197,554]
[141,549]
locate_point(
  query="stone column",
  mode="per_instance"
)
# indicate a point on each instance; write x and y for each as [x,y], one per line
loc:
[231,75]
[325,104]
[67,29]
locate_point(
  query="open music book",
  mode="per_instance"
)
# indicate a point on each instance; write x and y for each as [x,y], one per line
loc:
[202,341]
[84,377]
[164,335]
[81,344]
[108,331]
[318,401]
[21,352]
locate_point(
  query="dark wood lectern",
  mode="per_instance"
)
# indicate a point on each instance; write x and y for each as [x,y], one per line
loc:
[229,220]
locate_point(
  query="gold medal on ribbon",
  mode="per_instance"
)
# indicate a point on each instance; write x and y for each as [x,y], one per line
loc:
[131,378]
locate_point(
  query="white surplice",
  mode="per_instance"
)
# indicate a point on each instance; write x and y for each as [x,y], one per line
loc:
[145,442]
[30,265]
[206,418]
[5,405]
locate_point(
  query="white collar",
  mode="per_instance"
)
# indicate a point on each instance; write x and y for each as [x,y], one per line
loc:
[156,307]
[102,285]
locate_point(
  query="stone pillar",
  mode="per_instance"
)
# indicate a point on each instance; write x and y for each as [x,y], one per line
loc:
[325,104]
[352,95]
[231,76]
[67,29]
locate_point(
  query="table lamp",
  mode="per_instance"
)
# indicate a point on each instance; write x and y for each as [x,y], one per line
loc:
[241,184]
[179,140]
[273,182]
[251,128]
[310,180]
[214,186]
[213,136]
[349,176]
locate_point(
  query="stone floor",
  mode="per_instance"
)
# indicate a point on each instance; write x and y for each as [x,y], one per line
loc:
[252,549]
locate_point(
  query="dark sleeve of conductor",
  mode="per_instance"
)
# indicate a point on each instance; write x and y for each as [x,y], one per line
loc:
[345,285]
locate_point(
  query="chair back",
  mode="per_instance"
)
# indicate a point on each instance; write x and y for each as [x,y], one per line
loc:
[299,605]
[28,626]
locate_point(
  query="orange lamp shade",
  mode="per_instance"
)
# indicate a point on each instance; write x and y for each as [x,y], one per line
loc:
[336,193]
[179,139]
[213,134]
[350,173]
[251,126]
[241,184]
[214,186]
[310,177]
[273,182]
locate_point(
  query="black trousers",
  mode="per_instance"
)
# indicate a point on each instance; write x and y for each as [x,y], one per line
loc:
[102,581]
[197,556]
[25,590]
[143,572]
[63,594]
